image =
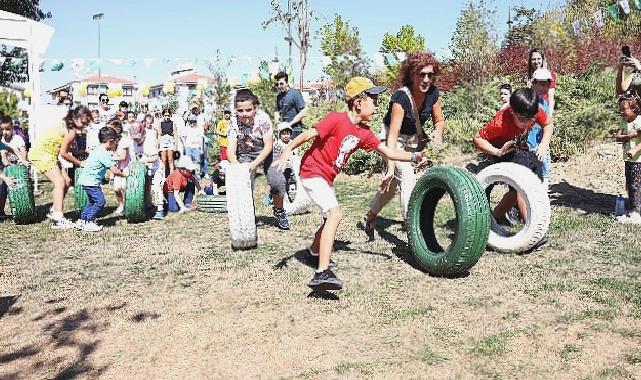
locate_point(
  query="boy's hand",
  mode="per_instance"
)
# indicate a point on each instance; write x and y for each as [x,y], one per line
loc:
[541,152]
[201,192]
[11,182]
[506,148]
[253,166]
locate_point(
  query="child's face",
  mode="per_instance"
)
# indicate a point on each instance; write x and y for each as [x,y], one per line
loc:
[367,106]
[95,117]
[541,87]
[285,135]
[111,144]
[626,111]
[149,121]
[505,95]
[131,118]
[536,61]
[523,122]
[7,130]
[246,111]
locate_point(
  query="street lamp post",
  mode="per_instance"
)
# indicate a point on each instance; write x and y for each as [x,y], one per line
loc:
[97,17]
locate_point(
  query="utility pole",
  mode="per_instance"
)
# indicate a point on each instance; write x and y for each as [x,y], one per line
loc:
[97,17]
[289,38]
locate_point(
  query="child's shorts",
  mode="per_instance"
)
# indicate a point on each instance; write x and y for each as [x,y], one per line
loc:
[321,193]
[43,166]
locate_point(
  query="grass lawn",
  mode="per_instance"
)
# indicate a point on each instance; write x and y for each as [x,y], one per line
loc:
[169,299]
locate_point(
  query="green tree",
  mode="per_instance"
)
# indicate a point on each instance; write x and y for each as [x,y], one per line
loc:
[9,70]
[523,26]
[265,89]
[220,88]
[473,43]
[407,41]
[342,45]
[9,104]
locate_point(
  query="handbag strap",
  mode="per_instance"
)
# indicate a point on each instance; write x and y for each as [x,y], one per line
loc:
[419,130]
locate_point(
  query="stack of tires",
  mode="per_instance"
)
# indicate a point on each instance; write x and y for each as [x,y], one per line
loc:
[80,195]
[212,203]
[537,201]
[240,207]
[23,207]
[136,192]
[472,221]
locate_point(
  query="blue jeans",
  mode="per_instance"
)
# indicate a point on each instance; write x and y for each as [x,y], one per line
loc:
[190,190]
[194,154]
[94,205]
[204,164]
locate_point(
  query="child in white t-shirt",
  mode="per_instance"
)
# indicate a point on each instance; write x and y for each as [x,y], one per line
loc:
[630,135]
[193,138]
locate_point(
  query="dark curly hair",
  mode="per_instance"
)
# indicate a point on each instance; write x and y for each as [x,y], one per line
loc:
[413,64]
[74,113]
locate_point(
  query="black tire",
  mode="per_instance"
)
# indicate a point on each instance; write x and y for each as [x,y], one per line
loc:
[135,192]
[212,203]
[472,221]
[80,195]
[537,202]
[23,207]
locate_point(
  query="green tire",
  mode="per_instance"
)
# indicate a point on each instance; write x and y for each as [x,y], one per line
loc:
[80,195]
[472,221]
[212,203]
[135,192]
[23,207]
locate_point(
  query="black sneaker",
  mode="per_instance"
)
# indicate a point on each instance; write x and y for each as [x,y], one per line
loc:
[310,260]
[280,214]
[325,280]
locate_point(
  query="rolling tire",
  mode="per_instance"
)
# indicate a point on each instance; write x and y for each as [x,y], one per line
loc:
[212,203]
[301,203]
[537,203]
[472,221]
[240,207]
[23,207]
[135,192]
[80,195]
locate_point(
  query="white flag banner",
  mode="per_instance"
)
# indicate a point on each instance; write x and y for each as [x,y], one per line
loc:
[401,55]
[379,61]
[576,26]
[625,5]
[598,18]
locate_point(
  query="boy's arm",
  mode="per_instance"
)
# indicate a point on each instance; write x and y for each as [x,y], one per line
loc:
[179,200]
[268,140]
[4,157]
[543,147]
[295,143]
[118,172]
[484,146]
[121,155]
[299,116]
[232,145]
[399,155]
[10,181]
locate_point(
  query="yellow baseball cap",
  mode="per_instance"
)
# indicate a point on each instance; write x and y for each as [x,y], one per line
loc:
[358,85]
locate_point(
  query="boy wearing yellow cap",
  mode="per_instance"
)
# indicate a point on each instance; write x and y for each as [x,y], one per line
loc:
[336,137]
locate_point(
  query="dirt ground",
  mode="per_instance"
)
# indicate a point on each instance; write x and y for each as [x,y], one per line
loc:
[169,299]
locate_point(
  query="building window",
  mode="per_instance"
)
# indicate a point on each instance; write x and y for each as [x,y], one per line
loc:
[127,91]
[92,90]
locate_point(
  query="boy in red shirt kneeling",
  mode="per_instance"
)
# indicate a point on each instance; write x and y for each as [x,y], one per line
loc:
[497,139]
[181,179]
[336,137]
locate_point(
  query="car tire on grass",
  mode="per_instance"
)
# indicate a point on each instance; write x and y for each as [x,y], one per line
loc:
[472,221]
[135,192]
[536,199]
[80,195]
[240,207]
[301,202]
[23,208]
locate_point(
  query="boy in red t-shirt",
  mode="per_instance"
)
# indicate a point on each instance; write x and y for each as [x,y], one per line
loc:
[181,179]
[497,138]
[336,137]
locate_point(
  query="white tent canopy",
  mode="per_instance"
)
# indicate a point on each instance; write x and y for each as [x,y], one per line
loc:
[19,31]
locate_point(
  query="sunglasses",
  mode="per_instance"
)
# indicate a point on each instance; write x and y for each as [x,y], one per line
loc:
[104,101]
[429,74]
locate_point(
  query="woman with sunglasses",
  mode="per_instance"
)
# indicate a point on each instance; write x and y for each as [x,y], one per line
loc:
[410,107]
[167,140]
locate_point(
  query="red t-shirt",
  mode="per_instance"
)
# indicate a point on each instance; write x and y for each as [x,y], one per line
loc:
[176,181]
[337,139]
[502,129]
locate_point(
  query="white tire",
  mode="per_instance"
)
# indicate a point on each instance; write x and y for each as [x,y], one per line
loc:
[301,203]
[240,207]
[537,202]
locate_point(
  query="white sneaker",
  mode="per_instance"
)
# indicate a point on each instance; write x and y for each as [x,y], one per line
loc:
[120,209]
[62,224]
[80,224]
[634,218]
[91,227]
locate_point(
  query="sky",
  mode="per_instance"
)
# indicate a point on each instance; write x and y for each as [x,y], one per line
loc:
[174,32]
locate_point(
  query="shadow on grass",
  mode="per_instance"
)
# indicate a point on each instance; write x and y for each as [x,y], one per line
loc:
[7,306]
[565,194]
[323,294]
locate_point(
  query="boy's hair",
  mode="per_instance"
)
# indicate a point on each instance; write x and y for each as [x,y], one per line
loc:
[130,113]
[149,116]
[525,101]
[631,99]
[107,133]
[226,112]
[166,110]
[281,75]
[350,101]
[95,112]
[246,95]
[506,86]
[114,123]
[4,119]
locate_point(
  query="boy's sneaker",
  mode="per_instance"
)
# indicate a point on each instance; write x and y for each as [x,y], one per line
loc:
[63,224]
[120,209]
[91,227]
[159,215]
[281,215]
[80,224]
[306,257]
[325,280]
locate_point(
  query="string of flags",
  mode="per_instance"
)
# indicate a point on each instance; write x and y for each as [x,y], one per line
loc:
[81,65]
[617,12]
